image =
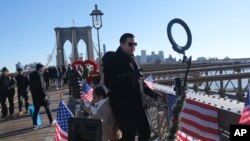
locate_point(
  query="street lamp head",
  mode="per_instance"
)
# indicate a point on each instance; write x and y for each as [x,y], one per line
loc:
[96,18]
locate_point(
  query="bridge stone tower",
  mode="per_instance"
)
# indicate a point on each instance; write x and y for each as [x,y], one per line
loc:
[74,35]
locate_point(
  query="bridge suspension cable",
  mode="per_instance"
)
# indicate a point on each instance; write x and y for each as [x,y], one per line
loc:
[95,48]
[51,56]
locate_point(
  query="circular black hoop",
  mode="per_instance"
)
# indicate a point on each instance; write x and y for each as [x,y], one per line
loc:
[176,47]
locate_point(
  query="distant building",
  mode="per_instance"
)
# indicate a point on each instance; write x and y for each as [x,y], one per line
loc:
[226,58]
[143,57]
[150,59]
[201,60]
[31,66]
[19,65]
[170,59]
[213,59]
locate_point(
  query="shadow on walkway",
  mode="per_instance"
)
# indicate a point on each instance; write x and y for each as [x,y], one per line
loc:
[20,131]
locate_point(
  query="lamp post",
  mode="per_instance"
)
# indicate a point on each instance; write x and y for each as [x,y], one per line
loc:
[97,24]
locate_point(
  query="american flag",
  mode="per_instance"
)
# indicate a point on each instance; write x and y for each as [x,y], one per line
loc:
[63,115]
[171,99]
[198,121]
[149,81]
[245,116]
[87,94]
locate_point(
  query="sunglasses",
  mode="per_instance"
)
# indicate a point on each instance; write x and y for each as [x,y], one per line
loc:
[132,44]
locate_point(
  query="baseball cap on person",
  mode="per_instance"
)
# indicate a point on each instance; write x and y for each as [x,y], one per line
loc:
[4,69]
[39,65]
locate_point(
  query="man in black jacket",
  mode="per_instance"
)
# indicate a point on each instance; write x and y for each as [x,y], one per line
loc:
[123,77]
[39,94]
[22,89]
[7,90]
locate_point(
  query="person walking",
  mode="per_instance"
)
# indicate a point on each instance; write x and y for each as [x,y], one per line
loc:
[7,90]
[22,90]
[67,75]
[58,77]
[124,79]
[46,78]
[39,94]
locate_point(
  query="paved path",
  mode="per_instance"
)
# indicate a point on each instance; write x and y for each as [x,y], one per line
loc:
[19,128]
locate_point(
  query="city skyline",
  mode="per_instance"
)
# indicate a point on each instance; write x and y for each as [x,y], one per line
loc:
[219,28]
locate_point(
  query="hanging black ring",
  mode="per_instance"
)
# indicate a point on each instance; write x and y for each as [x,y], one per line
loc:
[176,47]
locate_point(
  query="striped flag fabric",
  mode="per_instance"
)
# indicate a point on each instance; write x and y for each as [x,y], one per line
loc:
[245,115]
[87,94]
[181,136]
[149,81]
[63,115]
[171,99]
[198,121]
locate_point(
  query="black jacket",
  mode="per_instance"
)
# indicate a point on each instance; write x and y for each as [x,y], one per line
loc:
[37,87]
[126,83]
[22,83]
[7,85]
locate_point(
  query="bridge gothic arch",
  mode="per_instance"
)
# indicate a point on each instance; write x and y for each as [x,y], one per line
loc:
[74,35]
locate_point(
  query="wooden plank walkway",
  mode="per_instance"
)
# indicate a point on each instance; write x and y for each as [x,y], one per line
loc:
[20,128]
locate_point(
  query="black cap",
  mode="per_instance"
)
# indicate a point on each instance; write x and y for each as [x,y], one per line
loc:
[39,65]
[4,69]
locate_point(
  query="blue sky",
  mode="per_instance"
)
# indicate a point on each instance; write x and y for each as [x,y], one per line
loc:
[219,28]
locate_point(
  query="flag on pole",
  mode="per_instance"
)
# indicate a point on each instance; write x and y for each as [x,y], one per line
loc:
[171,100]
[149,81]
[198,121]
[245,115]
[63,115]
[87,94]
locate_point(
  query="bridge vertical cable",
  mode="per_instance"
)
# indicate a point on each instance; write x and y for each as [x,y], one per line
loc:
[51,56]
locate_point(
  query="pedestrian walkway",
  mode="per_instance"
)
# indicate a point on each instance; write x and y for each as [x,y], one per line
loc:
[20,128]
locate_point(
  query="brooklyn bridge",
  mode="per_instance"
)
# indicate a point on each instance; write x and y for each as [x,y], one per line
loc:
[222,85]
